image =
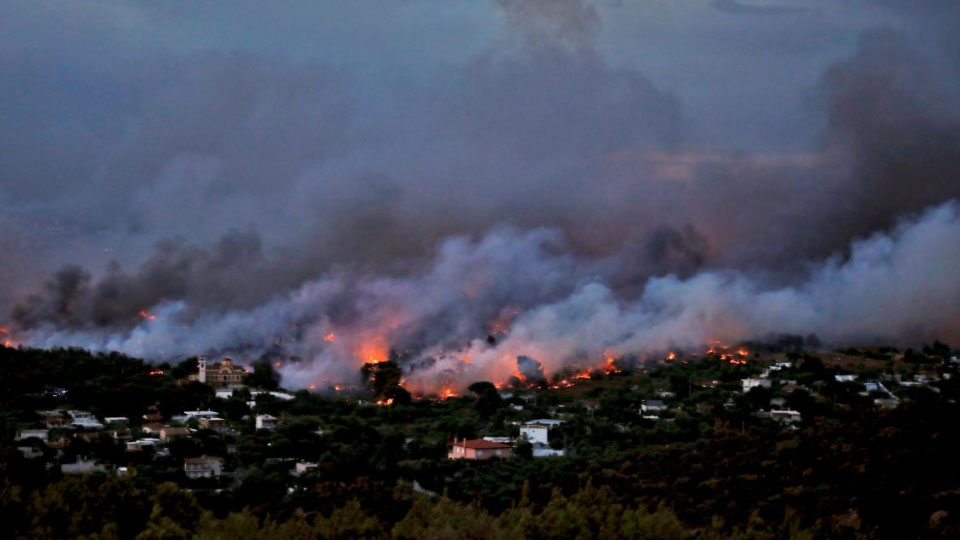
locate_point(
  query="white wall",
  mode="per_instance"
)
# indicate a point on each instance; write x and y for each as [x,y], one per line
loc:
[535,434]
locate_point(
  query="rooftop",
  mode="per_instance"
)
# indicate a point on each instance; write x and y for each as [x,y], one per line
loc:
[481,444]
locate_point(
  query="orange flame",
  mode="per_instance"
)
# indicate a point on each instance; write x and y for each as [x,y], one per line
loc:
[373,352]
[737,358]
[6,342]
[609,360]
[330,338]
[447,393]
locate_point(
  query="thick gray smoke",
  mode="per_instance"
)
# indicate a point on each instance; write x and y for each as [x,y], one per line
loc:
[166,196]
[892,286]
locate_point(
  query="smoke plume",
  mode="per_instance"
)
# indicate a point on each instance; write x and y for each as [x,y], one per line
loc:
[557,180]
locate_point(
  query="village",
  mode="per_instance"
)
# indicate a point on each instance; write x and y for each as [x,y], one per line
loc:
[236,426]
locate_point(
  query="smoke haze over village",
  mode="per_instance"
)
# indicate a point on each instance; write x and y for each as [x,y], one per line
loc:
[323,182]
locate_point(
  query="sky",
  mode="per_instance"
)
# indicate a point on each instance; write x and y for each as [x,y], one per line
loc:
[260,175]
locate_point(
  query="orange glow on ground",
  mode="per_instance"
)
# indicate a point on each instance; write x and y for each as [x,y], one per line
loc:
[737,358]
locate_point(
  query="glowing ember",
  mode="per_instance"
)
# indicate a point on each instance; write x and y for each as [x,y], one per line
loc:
[278,365]
[385,402]
[330,338]
[737,358]
[337,388]
[157,372]
[147,316]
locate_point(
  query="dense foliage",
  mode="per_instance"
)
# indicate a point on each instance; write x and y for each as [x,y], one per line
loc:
[709,468]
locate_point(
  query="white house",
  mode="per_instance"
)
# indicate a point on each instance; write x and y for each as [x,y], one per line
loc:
[87,422]
[42,434]
[75,414]
[30,452]
[750,384]
[200,414]
[540,451]
[266,421]
[549,422]
[214,423]
[652,406]
[282,396]
[844,378]
[83,466]
[303,467]
[786,416]
[202,467]
[535,433]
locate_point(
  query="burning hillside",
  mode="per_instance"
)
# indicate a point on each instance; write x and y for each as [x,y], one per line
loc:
[534,311]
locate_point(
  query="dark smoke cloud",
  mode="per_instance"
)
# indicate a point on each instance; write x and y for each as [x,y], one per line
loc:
[233,274]
[901,128]
[893,287]
[534,179]
[530,369]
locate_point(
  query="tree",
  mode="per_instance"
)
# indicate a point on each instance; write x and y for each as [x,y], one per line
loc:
[263,376]
[523,449]
[488,397]
[185,368]
[384,378]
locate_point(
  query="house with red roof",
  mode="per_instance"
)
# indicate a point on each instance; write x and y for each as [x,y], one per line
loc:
[479,449]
